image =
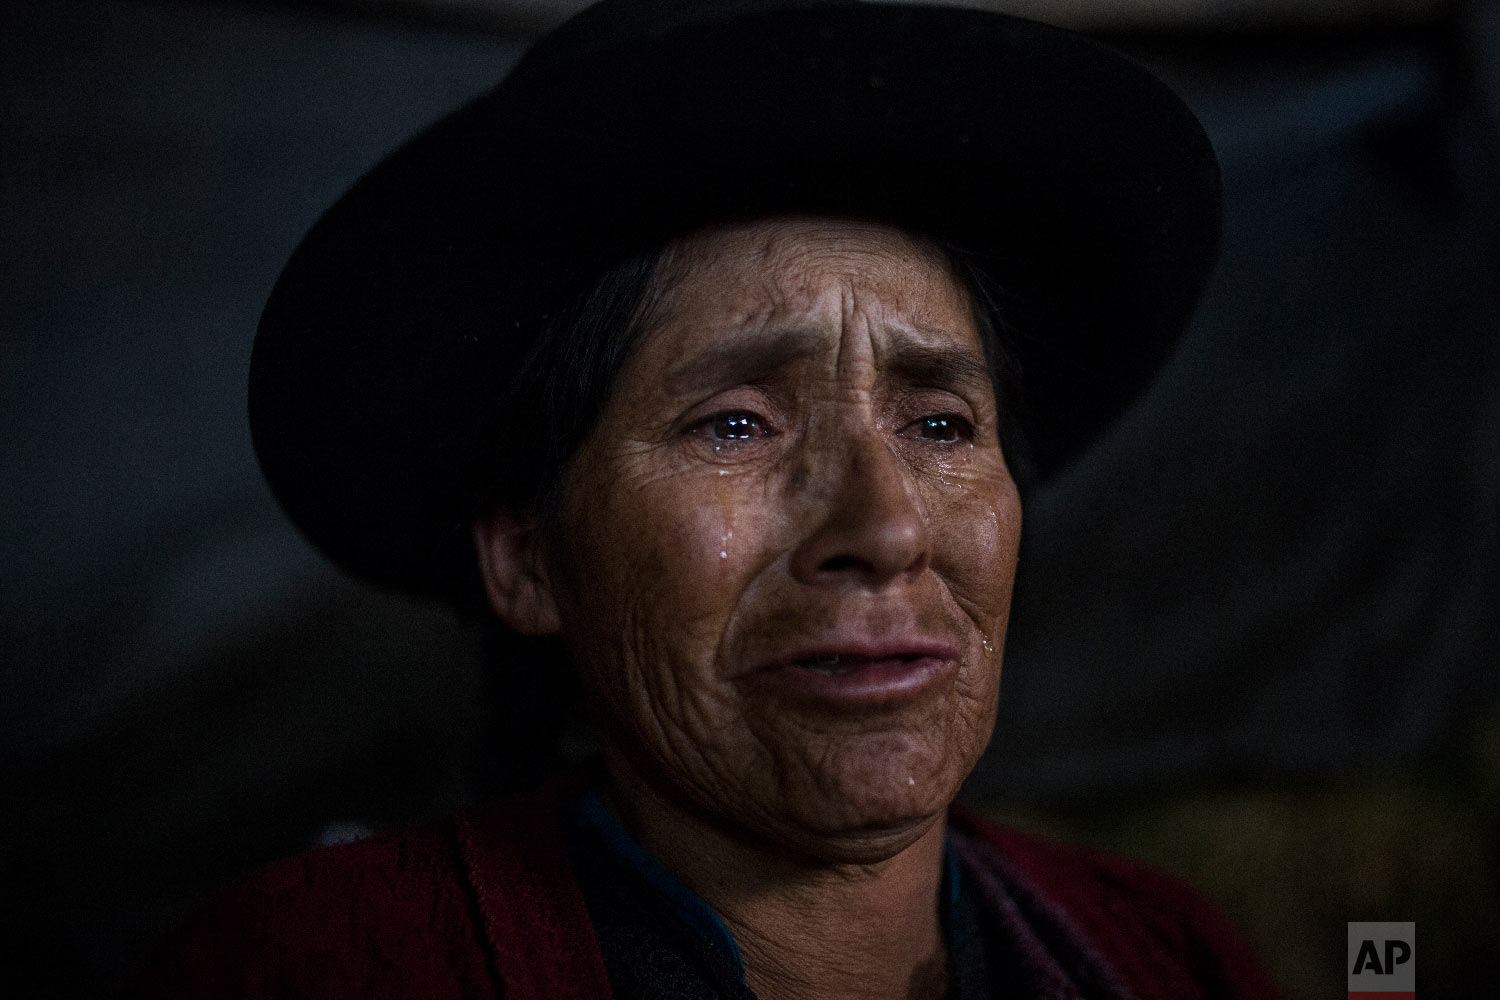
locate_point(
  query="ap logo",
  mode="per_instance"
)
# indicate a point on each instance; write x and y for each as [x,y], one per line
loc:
[1382,961]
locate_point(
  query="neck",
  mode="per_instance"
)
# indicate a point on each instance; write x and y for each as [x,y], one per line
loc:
[808,928]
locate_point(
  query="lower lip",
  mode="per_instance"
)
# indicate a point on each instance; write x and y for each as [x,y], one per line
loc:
[877,682]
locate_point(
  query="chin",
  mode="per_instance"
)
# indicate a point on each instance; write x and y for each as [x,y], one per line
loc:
[870,802]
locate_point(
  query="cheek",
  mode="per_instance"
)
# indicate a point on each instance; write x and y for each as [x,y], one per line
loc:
[660,567]
[684,548]
[976,525]
[977,530]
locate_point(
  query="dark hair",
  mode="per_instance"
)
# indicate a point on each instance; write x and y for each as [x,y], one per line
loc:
[553,402]
[991,303]
[557,394]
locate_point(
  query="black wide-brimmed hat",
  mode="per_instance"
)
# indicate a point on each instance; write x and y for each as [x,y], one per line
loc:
[1080,180]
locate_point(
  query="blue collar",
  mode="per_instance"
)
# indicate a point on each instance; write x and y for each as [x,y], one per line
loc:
[685,904]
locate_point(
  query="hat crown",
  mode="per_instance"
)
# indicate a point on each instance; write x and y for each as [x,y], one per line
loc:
[611,24]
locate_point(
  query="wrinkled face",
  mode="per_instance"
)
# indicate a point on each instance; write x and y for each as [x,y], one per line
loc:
[787,547]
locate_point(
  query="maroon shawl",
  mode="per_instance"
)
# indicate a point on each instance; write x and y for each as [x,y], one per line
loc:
[488,905]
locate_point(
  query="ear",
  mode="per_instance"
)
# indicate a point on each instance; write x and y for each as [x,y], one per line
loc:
[507,544]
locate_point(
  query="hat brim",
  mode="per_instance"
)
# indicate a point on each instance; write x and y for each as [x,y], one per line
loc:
[1081,181]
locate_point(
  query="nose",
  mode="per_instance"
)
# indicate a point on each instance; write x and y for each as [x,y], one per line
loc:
[868,527]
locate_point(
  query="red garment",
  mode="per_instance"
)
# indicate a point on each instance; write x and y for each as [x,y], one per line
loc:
[1153,936]
[489,899]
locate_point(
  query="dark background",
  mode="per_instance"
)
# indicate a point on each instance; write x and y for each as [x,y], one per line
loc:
[1256,637]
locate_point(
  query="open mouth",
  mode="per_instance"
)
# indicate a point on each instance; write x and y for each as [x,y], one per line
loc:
[847,674]
[835,665]
[862,681]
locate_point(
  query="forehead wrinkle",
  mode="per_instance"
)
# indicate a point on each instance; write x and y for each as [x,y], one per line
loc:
[910,342]
[890,287]
[750,358]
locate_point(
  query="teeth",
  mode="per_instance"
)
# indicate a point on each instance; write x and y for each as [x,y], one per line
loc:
[831,665]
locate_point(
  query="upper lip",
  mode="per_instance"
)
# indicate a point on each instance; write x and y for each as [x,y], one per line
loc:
[856,649]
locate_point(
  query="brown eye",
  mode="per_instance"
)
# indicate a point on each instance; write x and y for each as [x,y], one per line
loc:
[735,425]
[945,428]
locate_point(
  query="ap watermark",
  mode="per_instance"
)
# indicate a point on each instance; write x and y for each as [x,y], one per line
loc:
[1382,961]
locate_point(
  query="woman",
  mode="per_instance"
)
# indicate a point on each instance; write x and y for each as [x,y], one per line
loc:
[703,349]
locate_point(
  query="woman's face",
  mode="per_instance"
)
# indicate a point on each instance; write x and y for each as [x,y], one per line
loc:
[787,547]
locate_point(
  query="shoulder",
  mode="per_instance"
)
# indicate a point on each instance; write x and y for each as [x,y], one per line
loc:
[464,908]
[388,916]
[1157,933]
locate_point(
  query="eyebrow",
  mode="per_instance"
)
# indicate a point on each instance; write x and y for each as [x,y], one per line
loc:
[755,357]
[938,366]
[750,359]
